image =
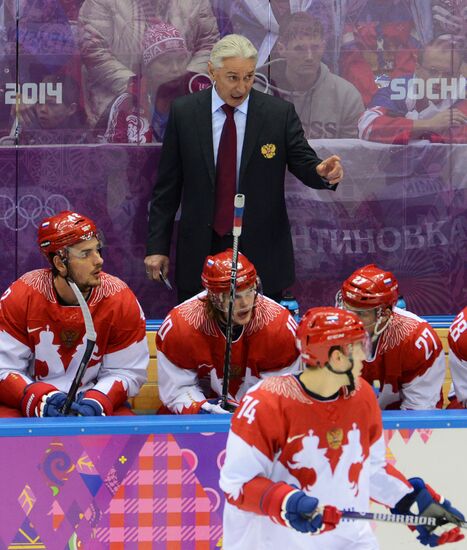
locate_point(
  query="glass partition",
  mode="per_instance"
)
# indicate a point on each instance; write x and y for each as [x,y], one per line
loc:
[85,91]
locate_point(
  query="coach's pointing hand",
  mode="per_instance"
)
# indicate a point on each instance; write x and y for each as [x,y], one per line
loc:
[331,169]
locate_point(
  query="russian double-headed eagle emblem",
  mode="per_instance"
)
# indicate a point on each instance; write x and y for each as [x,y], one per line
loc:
[268,150]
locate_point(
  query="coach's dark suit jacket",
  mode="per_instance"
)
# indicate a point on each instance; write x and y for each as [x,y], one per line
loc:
[187,174]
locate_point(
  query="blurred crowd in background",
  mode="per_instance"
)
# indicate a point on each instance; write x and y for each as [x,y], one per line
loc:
[94,71]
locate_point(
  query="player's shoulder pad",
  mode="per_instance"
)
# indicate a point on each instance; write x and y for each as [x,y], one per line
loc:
[266,311]
[110,286]
[191,314]
[38,280]
[403,327]
[286,386]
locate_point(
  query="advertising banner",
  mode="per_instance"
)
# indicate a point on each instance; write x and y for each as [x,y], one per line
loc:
[401,207]
[107,487]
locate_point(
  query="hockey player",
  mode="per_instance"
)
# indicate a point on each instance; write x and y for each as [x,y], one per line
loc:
[191,341]
[42,329]
[457,340]
[407,362]
[299,442]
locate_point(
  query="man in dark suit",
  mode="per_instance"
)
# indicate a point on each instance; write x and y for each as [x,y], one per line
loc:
[269,138]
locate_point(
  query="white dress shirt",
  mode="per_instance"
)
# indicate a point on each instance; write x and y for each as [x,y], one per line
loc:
[218,119]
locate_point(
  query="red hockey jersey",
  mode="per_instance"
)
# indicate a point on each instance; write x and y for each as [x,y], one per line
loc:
[408,363]
[457,340]
[332,449]
[41,340]
[191,347]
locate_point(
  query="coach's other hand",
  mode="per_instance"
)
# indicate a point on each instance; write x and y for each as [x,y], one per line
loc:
[154,264]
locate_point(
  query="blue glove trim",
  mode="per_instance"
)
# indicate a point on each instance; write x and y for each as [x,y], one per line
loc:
[87,407]
[421,502]
[54,403]
[298,506]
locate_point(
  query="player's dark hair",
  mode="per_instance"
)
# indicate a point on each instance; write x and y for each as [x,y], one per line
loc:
[55,272]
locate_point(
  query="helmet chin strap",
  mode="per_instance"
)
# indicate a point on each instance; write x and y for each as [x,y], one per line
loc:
[381,324]
[69,278]
[351,385]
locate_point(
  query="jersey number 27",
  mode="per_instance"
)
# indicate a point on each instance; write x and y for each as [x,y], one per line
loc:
[426,341]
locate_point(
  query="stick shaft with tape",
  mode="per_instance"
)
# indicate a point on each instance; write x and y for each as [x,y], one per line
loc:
[430,521]
[90,343]
[403,519]
[239,206]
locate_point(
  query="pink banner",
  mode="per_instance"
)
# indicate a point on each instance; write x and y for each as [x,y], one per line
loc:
[99,492]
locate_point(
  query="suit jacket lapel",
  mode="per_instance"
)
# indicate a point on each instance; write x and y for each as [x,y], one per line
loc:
[254,123]
[203,118]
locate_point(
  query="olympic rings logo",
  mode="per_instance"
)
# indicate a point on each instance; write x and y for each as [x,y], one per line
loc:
[30,210]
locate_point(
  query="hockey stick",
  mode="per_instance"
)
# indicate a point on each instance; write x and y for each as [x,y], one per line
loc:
[431,521]
[405,519]
[239,204]
[90,343]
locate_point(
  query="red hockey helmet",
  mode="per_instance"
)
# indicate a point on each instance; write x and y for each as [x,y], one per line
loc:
[322,328]
[217,270]
[370,287]
[64,229]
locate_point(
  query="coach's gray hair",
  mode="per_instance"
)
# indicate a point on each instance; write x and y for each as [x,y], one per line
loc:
[232,45]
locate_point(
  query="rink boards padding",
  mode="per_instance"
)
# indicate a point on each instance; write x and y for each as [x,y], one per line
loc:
[152,481]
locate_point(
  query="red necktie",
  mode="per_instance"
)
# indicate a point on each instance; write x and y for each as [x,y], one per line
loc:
[226,174]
